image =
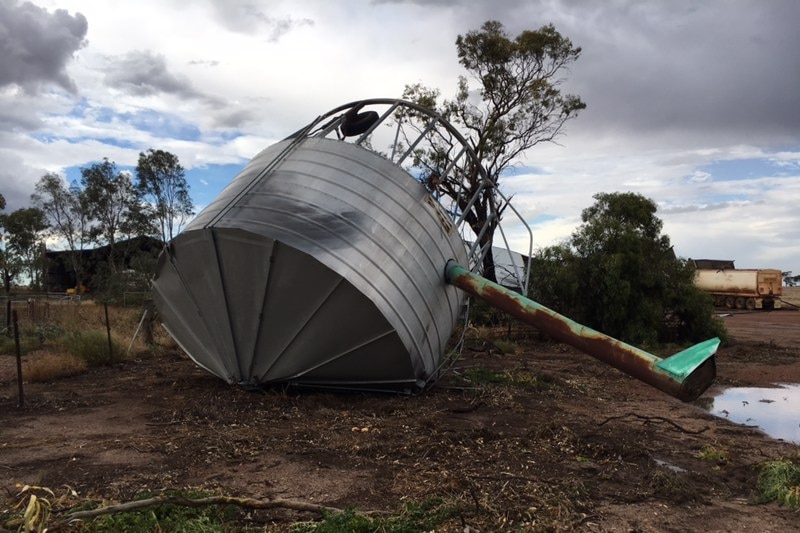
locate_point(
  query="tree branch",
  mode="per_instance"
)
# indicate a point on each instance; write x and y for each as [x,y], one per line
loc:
[250,503]
[658,418]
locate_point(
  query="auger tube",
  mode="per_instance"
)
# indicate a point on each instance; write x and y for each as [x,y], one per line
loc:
[685,375]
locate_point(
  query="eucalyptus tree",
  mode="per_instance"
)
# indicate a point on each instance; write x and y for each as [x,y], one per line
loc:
[161,180]
[518,104]
[24,230]
[69,215]
[114,203]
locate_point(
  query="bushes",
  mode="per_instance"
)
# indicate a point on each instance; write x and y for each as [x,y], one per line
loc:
[619,275]
[779,481]
[92,347]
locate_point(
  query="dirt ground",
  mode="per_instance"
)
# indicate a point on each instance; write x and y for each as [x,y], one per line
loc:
[544,439]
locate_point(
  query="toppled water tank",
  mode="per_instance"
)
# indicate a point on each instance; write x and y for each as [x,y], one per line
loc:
[321,263]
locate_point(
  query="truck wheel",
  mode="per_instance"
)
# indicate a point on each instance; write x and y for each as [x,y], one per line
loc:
[730,303]
[750,304]
[739,303]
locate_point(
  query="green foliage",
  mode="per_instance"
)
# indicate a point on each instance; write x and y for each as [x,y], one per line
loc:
[162,182]
[169,518]
[31,338]
[483,314]
[21,233]
[114,203]
[110,285]
[69,215]
[519,80]
[505,346]
[713,454]
[8,346]
[618,274]
[779,481]
[91,346]
[44,332]
[507,377]
[415,517]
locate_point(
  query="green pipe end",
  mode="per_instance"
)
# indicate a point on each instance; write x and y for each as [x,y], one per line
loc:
[682,364]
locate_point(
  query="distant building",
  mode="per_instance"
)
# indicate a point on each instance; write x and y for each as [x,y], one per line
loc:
[60,276]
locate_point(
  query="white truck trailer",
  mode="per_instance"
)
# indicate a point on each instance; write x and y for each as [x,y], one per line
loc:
[741,289]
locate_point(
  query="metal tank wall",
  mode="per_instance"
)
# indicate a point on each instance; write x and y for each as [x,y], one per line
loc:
[321,263]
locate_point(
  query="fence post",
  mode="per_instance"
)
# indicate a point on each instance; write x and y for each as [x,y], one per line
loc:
[8,315]
[108,331]
[19,360]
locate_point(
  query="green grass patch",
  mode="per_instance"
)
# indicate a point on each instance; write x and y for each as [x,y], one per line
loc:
[517,378]
[171,518]
[92,347]
[712,454]
[26,344]
[779,481]
[505,347]
[415,517]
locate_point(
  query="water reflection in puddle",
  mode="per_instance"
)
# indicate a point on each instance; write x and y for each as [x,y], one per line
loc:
[776,411]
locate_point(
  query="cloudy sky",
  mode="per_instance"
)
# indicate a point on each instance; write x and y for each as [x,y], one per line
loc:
[695,104]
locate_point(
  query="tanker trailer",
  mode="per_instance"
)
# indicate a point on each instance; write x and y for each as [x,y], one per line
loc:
[742,288]
[341,257]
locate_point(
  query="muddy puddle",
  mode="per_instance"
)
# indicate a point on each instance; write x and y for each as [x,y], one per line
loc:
[776,411]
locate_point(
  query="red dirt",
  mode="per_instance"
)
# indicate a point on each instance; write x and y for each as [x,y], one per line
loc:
[567,444]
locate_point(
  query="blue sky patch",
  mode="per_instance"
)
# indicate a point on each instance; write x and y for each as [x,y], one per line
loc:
[162,125]
[79,110]
[541,219]
[73,173]
[522,170]
[742,169]
[205,183]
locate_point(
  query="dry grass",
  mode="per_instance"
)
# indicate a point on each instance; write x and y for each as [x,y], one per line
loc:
[72,317]
[45,365]
[61,327]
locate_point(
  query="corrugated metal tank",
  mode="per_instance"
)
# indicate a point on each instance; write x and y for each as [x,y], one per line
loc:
[321,263]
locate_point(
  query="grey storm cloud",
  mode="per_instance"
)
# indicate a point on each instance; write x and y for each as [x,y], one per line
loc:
[690,69]
[247,17]
[424,2]
[18,118]
[718,66]
[144,73]
[36,45]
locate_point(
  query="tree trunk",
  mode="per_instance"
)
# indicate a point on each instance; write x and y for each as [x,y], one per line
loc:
[488,266]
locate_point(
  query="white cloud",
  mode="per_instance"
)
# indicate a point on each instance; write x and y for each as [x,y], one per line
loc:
[215,82]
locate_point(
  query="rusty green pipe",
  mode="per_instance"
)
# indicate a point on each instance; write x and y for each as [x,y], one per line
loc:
[685,375]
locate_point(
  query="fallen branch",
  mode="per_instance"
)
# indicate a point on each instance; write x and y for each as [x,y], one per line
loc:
[658,418]
[250,503]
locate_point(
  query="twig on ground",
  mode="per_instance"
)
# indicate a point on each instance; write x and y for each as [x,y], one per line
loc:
[657,418]
[250,503]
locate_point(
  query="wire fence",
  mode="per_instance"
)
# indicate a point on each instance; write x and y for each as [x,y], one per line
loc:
[36,308]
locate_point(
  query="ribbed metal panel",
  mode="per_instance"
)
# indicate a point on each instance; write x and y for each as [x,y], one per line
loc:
[321,263]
